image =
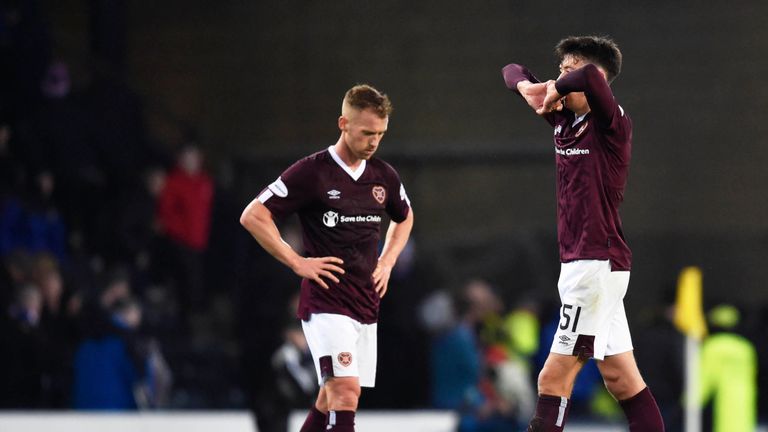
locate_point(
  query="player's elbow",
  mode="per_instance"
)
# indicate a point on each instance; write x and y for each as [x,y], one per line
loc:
[244,219]
[593,75]
[248,219]
[408,221]
[509,76]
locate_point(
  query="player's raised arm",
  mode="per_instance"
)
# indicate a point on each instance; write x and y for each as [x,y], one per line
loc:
[397,237]
[520,80]
[515,73]
[257,219]
[590,80]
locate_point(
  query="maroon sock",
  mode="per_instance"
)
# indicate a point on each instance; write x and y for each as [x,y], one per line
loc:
[315,421]
[341,421]
[642,412]
[551,412]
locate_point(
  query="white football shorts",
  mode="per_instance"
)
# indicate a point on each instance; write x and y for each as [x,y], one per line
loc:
[342,347]
[593,322]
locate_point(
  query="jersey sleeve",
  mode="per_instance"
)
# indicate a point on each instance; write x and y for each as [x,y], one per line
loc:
[398,203]
[589,80]
[290,192]
[514,73]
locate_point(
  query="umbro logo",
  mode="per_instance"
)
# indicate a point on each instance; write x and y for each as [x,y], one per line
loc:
[334,194]
[564,338]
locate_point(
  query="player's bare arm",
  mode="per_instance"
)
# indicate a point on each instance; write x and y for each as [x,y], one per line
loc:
[257,219]
[552,100]
[397,237]
[533,93]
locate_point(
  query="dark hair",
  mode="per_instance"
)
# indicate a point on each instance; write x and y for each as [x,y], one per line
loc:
[364,96]
[600,50]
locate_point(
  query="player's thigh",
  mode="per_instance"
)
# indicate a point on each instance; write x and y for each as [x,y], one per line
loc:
[333,340]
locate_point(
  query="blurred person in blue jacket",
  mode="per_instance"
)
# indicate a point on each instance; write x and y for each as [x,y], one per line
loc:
[109,366]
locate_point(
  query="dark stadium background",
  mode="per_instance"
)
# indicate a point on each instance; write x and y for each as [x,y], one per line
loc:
[259,83]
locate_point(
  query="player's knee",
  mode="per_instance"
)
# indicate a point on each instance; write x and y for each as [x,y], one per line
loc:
[550,383]
[344,396]
[322,402]
[620,386]
[345,400]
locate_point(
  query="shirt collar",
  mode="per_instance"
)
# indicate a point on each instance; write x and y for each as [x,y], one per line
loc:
[354,174]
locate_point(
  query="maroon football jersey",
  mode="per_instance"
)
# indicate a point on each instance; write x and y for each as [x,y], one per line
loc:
[340,212]
[592,155]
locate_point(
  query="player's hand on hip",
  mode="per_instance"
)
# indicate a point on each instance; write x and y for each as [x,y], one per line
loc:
[552,100]
[381,278]
[533,93]
[318,269]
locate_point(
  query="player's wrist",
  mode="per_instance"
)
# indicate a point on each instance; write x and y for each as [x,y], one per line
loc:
[294,262]
[389,262]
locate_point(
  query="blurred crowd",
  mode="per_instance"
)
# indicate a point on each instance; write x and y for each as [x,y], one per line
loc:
[103,237]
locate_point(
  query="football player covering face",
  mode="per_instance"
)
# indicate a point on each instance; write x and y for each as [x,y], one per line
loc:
[361,134]
[575,101]
[593,142]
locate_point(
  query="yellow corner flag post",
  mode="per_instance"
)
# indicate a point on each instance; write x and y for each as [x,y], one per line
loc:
[689,319]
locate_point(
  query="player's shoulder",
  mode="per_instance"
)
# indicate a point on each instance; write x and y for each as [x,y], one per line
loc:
[318,157]
[623,116]
[311,161]
[382,167]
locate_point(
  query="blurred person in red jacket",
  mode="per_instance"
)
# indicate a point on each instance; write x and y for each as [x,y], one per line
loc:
[184,218]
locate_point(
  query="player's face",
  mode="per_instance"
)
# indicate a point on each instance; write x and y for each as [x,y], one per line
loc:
[576,101]
[362,131]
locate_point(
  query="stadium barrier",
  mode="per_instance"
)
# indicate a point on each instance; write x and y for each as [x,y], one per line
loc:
[388,421]
[236,421]
[186,421]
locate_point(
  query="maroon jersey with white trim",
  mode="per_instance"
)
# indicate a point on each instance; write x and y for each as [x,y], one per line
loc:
[592,155]
[340,212]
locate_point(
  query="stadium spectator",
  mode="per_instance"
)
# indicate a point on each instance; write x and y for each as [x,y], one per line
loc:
[58,324]
[728,372]
[456,359]
[514,373]
[109,366]
[660,354]
[12,170]
[136,225]
[295,383]
[32,222]
[184,217]
[460,365]
[17,270]
[21,351]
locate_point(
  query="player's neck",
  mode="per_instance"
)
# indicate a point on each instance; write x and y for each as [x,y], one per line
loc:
[581,110]
[345,155]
